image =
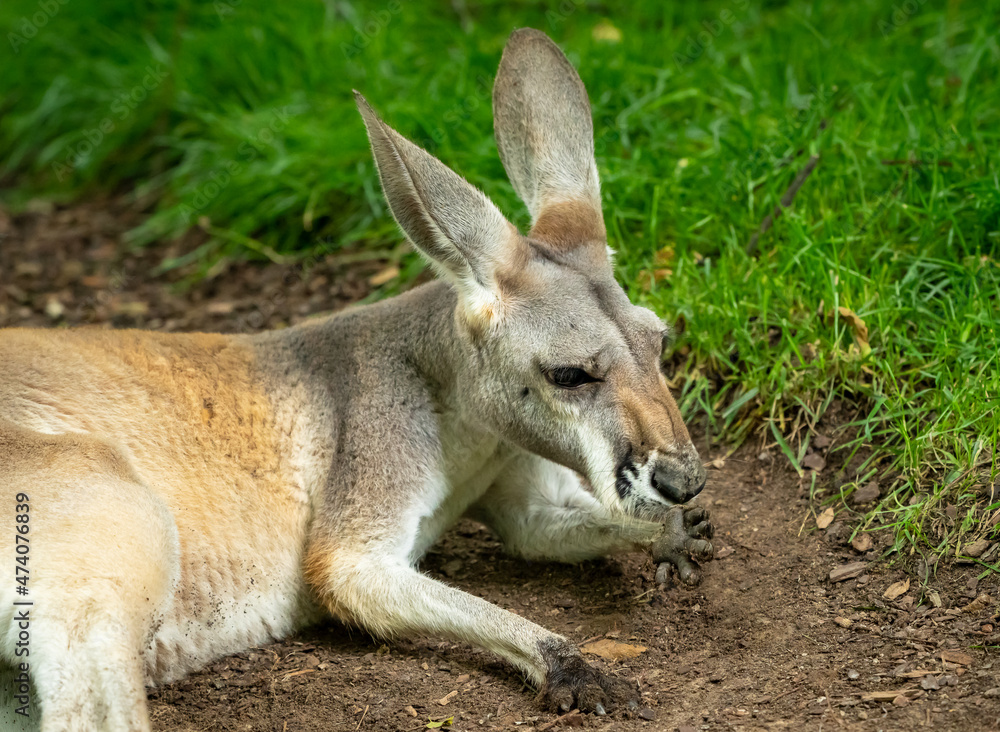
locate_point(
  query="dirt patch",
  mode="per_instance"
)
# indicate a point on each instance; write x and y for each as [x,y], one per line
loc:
[768,641]
[69,267]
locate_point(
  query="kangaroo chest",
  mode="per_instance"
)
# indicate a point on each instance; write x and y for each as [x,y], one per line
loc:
[471,462]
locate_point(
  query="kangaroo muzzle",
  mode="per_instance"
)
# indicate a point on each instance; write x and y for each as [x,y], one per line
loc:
[678,478]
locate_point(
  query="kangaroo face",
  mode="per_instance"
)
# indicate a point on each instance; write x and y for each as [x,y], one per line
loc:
[578,366]
[559,361]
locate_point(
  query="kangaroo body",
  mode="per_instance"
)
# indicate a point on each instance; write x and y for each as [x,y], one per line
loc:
[194,495]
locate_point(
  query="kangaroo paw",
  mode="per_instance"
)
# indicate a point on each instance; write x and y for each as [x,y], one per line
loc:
[686,542]
[572,682]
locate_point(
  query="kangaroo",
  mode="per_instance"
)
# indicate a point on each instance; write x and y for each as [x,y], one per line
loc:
[192,495]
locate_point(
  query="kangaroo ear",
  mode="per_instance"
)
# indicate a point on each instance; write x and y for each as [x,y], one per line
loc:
[448,220]
[541,117]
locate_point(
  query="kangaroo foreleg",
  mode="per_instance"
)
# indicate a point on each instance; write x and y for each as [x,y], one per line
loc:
[390,598]
[542,511]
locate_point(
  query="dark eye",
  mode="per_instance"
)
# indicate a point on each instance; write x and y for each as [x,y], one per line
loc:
[568,377]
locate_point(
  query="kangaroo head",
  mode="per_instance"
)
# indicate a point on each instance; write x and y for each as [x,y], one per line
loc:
[558,361]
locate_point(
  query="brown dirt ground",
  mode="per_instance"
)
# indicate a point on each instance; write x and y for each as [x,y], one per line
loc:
[761,644]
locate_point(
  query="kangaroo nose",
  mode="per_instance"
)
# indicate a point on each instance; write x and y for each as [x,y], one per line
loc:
[678,481]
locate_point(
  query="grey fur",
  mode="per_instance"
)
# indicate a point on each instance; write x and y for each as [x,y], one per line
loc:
[541,117]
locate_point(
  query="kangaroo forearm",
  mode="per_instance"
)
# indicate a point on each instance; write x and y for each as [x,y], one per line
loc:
[391,599]
[574,535]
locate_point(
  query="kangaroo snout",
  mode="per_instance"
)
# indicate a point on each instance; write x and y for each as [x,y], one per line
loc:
[678,479]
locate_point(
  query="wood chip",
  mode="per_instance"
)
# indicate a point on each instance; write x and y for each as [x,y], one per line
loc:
[959,658]
[885,696]
[612,650]
[978,605]
[896,589]
[847,571]
[919,674]
[825,518]
[976,548]
[443,701]
[843,622]
[298,673]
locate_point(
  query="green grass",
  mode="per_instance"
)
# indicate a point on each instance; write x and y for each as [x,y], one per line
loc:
[704,114]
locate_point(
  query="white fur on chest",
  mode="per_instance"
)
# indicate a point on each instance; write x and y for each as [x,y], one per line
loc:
[471,461]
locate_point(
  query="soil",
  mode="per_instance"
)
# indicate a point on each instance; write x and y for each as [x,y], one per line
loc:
[766,642]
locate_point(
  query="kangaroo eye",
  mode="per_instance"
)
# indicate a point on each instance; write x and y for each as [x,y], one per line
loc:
[568,377]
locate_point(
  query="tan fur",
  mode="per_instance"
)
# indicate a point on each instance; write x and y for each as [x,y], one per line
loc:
[569,224]
[185,415]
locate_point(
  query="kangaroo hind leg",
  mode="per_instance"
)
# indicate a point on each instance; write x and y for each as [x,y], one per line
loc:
[104,562]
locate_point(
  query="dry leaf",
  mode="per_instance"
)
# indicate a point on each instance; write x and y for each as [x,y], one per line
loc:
[978,605]
[647,278]
[612,650]
[825,518]
[896,589]
[443,701]
[862,543]
[386,275]
[605,31]
[664,257]
[858,328]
